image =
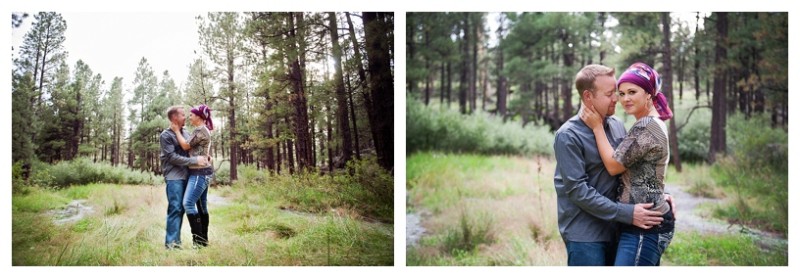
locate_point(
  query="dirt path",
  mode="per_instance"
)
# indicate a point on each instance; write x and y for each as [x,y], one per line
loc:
[690,215]
[693,214]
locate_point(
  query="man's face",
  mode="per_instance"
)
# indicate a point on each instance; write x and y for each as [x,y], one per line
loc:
[179,118]
[604,98]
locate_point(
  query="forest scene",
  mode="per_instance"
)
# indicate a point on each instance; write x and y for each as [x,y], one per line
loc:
[486,92]
[302,145]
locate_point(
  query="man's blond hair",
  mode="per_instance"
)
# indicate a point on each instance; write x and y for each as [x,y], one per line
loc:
[585,78]
[172,110]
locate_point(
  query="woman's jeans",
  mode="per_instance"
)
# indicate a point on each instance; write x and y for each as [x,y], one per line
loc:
[195,200]
[175,196]
[642,249]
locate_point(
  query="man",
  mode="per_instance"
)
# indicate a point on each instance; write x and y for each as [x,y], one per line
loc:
[586,192]
[173,164]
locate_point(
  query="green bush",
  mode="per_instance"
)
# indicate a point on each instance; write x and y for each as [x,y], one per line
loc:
[447,130]
[756,170]
[83,171]
[694,138]
[363,187]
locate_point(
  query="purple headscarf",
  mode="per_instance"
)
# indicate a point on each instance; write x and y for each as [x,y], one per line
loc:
[204,113]
[642,75]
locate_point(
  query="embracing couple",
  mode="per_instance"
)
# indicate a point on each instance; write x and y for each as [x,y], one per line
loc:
[187,169]
[612,209]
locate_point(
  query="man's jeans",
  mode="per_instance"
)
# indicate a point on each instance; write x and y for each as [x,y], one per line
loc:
[642,249]
[175,190]
[196,199]
[590,253]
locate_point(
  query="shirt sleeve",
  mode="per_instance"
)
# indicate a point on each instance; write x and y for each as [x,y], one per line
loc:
[168,151]
[572,169]
[632,149]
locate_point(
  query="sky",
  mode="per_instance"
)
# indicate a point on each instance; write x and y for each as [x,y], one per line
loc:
[112,43]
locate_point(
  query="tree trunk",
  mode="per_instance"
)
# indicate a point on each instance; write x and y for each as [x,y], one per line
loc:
[442,85]
[381,86]
[718,114]
[465,62]
[341,96]
[502,91]
[569,60]
[449,82]
[473,66]
[353,118]
[697,58]
[667,87]
[298,94]
[410,40]
[330,138]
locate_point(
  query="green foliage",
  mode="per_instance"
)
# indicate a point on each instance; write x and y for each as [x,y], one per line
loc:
[756,170]
[471,233]
[364,187]
[448,130]
[83,171]
[694,138]
[692,249]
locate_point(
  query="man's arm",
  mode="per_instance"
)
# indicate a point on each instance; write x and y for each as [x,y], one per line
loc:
[168,150]
[573,174]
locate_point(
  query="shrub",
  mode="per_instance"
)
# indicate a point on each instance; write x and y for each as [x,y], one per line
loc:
[83,171]
[694,138]
[756,170]
[447,130]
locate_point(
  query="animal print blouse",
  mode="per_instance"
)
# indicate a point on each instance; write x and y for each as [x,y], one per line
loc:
[644,152]
[199,141]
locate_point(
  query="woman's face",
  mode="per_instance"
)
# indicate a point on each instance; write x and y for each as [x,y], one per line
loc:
[195,120]
[635,100]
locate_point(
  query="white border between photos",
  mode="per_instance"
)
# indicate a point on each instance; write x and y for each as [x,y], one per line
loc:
[400,8]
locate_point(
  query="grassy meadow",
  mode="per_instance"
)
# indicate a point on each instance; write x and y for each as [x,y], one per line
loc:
[258,220]
[501,210]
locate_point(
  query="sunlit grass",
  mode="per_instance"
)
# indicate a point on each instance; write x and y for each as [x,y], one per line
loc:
[486,210]
[127,227]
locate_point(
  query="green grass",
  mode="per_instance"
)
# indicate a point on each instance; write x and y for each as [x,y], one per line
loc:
[250,228]
[728,250]
[499,210]
[484,210]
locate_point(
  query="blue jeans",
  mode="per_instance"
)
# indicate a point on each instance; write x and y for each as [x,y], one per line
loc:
[195,201]
[642,249]
[590,253]
[175,189]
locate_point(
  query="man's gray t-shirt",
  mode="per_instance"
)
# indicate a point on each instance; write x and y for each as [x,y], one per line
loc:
[587,194]
[173,158]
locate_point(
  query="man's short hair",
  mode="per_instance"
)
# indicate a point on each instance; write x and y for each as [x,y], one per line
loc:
[585,78]
[172,110]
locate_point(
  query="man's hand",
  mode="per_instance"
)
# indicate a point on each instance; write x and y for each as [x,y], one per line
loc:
[669,200]
[202,161]
[645,218]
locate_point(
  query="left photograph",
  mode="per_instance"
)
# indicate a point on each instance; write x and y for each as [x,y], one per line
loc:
[202,139]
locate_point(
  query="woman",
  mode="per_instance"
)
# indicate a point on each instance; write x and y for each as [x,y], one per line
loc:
[644,153]
[195,198]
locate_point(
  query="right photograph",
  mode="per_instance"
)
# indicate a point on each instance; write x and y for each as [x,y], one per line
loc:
[597,139]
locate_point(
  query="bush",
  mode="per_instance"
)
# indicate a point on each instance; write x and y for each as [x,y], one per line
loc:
[756,170]
[448,130]
[363,187]
[694,138]
[83,171]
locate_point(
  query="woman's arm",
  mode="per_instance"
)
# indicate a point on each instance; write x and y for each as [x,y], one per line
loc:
[178,134]
[594,121]
[607,152]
